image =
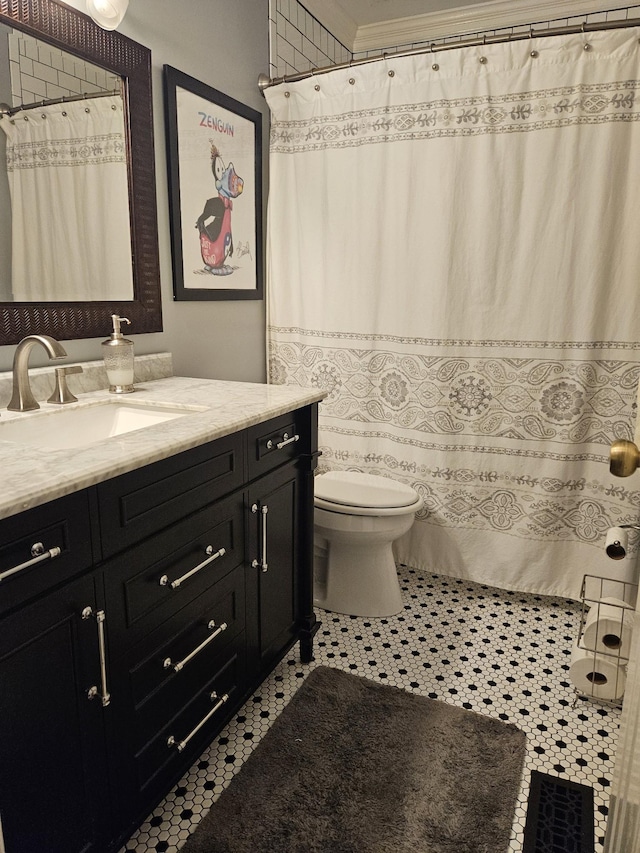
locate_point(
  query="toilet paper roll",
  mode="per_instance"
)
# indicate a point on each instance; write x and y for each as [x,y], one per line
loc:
[616,543]
[595,675]
[607,627]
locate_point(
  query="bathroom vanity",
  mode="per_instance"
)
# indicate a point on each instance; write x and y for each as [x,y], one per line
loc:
[148,584]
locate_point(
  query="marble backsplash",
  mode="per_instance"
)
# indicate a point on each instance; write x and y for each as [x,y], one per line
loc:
[93,377]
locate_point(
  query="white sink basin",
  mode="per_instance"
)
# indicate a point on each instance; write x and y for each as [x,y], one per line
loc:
[79,426]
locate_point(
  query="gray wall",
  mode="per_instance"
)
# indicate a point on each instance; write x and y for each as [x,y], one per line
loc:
[226,46]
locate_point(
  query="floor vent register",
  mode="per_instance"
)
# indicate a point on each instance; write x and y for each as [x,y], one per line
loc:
[559,816]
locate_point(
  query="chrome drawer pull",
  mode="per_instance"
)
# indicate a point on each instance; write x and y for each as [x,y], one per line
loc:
[39,556]
[164,580]
[168,663]
[92,692]
[180,745]
[262,561]
[286,440]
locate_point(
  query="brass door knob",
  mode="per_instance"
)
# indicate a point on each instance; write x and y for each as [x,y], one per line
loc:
[624,458]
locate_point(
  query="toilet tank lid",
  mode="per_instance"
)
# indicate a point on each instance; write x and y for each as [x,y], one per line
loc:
[351,488]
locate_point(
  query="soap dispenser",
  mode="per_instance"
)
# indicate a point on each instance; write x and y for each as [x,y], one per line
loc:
[118,359]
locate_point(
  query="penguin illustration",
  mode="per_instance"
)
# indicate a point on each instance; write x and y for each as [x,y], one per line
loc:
[214,223]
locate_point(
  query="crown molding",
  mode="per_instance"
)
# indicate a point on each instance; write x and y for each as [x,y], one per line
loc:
[480,17]
[471,19]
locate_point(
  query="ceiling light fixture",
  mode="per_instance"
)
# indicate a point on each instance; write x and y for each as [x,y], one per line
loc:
[107,14]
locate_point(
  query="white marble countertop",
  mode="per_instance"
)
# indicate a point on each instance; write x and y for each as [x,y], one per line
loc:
[31,475]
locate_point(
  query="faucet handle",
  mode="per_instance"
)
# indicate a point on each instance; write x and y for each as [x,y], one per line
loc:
[61,393]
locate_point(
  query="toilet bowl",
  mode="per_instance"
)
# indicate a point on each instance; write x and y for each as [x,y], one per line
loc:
[357,517]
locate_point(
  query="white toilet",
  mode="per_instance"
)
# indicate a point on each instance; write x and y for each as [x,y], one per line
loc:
[357,517]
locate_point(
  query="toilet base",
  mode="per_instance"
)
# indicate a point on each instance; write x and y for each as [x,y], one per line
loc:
[373,590]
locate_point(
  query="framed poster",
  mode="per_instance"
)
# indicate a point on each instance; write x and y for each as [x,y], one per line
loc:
[214,146]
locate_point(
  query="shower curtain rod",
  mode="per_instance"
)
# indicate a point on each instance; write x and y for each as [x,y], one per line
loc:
[264,81]
[6,110]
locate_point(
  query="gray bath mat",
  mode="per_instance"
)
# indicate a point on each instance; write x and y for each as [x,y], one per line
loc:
[352,766]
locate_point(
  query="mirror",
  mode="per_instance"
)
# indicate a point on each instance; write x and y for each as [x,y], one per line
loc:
[65,28]
[62,149]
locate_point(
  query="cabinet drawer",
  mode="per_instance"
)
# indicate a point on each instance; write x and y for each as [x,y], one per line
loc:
[181,664]
[274,442]
[193,727]
[147,500]
[150,583]
[61,524]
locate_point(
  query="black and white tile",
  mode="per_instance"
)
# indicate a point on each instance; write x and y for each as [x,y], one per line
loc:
[505,654]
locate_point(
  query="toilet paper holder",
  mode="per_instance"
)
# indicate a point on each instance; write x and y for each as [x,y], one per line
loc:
[616,543]
[604,597]
[596,591]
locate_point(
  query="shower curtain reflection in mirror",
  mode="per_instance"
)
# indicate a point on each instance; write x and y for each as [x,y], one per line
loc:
[67,172]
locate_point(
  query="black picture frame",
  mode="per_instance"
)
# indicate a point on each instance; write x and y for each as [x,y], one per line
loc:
[214,148]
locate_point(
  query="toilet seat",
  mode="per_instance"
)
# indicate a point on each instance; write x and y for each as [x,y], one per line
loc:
[354,493]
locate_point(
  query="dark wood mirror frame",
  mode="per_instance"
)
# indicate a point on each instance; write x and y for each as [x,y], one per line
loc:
[71,30]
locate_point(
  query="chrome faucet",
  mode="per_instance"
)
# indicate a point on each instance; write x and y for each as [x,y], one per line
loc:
[22,399]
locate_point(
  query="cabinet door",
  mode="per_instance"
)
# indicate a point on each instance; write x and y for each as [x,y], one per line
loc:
[52,744]
[273,555]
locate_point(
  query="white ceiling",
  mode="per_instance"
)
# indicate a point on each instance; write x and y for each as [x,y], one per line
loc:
[363,25]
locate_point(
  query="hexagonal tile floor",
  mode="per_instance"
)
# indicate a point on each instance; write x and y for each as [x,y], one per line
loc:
[500,653]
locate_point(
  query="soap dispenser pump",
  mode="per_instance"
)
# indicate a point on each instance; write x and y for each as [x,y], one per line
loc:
[118,359]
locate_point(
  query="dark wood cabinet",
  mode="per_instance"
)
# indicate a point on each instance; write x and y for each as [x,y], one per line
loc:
[273,544]
[180,586]
[53,792]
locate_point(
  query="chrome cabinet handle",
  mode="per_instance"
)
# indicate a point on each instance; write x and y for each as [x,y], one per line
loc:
[262,560]
[168,663]
[39,556]
[180,745]
[285,440]
[164,580]
[92,692]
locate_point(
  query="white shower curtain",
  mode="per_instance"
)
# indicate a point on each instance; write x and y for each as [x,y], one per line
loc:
[454,256]
[67,171]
